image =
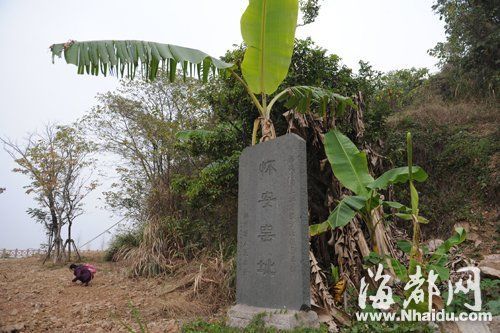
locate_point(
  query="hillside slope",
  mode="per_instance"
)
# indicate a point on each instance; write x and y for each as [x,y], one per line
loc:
[458,144]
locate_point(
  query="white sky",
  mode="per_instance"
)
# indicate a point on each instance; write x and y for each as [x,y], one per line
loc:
[390,34]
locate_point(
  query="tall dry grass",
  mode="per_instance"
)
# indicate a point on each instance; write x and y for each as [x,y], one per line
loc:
[431,109]
[159,252]
[208,282]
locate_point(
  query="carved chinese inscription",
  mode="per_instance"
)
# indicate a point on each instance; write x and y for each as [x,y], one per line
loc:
[266,267]
[267,167]
[266,233]
[273,262]
[266,199]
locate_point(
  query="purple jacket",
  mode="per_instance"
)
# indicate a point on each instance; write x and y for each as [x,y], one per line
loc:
[82,274]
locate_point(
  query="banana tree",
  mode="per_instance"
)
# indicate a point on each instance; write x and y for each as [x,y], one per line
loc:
[350,167]
[268,30]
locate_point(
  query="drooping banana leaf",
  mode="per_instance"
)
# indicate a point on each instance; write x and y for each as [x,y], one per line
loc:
[307,98]
[339,217]
[343,213]
[409,217]
[122,57]
[395,205]
[319,228]
[398,175]
[268,30]
[349,165]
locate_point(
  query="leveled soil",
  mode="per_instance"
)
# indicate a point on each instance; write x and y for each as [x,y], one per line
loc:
[41,298]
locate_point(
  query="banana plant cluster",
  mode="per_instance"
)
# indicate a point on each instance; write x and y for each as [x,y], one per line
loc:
[436,261]
[268,30]
[350,167]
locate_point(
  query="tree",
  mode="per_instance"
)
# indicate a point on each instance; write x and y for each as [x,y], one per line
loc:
[310,10]
[55,162]
[138,123]
[76,181]
[472,48]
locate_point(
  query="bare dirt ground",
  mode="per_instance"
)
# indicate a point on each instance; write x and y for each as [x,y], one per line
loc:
[36,298]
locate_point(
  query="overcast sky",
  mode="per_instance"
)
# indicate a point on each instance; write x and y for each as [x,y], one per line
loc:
[390,34]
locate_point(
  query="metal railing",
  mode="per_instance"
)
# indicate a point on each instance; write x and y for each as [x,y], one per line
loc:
[20,253]
[25,253]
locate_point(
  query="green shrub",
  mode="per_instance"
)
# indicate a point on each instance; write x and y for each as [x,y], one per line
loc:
[127,239]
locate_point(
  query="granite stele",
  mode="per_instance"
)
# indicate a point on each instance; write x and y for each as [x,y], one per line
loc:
[273,262]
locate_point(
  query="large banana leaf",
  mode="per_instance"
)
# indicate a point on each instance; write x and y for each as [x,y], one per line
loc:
[122,57]
[268,30]
[349,165]
[398,175]
[343,213]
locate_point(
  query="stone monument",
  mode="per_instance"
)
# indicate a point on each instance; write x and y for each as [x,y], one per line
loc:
[273,259]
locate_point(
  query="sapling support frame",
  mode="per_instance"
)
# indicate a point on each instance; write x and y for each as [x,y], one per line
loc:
[71,243]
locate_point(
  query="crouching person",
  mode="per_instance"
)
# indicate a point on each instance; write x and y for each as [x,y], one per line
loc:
[83,273]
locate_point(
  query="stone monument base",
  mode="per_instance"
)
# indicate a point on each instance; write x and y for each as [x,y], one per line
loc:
[241,315]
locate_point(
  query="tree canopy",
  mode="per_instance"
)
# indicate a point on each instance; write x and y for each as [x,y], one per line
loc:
[472,47]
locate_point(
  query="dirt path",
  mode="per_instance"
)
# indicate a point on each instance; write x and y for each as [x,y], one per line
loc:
[43,299]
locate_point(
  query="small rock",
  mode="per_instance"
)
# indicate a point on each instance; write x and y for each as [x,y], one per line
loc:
[14,312]
[473,326]
[490,266]
[494,325]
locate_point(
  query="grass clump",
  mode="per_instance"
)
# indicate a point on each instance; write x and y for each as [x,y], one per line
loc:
[388,327]
[121,242]
[256,326]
